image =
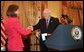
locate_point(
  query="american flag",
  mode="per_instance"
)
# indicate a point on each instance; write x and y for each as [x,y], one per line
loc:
[3,34]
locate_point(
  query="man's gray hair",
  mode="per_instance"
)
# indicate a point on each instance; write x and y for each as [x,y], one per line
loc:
[47,10]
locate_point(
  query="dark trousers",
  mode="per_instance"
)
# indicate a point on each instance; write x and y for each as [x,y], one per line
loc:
[42,45]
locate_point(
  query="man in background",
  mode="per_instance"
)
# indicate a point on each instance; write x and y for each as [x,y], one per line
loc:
[46,25]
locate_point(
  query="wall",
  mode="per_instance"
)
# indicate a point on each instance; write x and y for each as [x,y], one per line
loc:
[55,7]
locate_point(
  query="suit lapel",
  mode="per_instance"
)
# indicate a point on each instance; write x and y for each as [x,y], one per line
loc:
[44,24]
[49,23]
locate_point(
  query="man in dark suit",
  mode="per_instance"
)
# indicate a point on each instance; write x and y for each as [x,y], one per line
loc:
[46,25]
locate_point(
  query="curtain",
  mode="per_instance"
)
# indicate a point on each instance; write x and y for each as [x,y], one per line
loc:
[74,9]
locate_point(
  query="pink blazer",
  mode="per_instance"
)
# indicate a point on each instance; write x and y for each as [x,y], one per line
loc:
[14,32]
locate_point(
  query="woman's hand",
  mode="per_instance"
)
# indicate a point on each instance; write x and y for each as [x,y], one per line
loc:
[30,27]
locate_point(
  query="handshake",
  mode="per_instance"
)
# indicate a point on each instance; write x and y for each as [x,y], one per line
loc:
[30,27]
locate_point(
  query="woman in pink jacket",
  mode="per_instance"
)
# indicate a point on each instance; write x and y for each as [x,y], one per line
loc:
[14,30]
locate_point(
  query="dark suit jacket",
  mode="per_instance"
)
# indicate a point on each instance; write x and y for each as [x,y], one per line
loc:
[53,23]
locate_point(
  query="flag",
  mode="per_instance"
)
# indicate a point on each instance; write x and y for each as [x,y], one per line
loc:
[3,34]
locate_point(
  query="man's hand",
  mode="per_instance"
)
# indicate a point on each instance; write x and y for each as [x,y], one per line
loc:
[49,34]
[30,27]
